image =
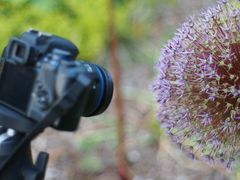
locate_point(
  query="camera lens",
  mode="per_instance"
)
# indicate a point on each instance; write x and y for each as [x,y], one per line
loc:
[101,93]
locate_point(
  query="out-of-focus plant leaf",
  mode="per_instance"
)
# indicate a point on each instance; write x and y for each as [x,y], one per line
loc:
[90,142]
[236,3]
[83,22]
[91,164]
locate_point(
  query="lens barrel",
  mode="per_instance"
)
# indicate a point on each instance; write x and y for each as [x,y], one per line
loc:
[101,93]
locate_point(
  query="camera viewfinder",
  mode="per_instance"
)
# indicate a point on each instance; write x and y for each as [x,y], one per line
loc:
[19,51]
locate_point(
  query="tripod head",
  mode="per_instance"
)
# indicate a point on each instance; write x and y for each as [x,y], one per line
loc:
[56,91]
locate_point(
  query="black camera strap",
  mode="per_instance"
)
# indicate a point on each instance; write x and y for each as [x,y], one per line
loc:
[63,104]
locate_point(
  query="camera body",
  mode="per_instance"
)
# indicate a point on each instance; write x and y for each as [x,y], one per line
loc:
[37,69]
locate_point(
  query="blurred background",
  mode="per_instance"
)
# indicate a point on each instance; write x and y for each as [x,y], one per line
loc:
[125,37]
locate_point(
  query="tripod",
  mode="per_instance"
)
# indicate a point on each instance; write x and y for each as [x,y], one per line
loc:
[21,166]
[15,143]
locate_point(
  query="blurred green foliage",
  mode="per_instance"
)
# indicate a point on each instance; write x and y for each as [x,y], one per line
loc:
[236,3]
[91,164]
[83,22]
[105,134]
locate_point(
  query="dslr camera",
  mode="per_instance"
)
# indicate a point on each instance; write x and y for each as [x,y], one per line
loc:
[37,69]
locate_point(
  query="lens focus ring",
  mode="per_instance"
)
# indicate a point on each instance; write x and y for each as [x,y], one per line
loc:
[101,95]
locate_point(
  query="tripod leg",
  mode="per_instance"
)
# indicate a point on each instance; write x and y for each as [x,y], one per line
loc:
[21,167]
[37,171]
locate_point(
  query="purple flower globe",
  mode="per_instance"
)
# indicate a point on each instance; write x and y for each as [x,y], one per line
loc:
[198,85]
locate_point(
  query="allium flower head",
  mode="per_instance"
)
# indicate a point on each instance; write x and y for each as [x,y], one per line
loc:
[198,85]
